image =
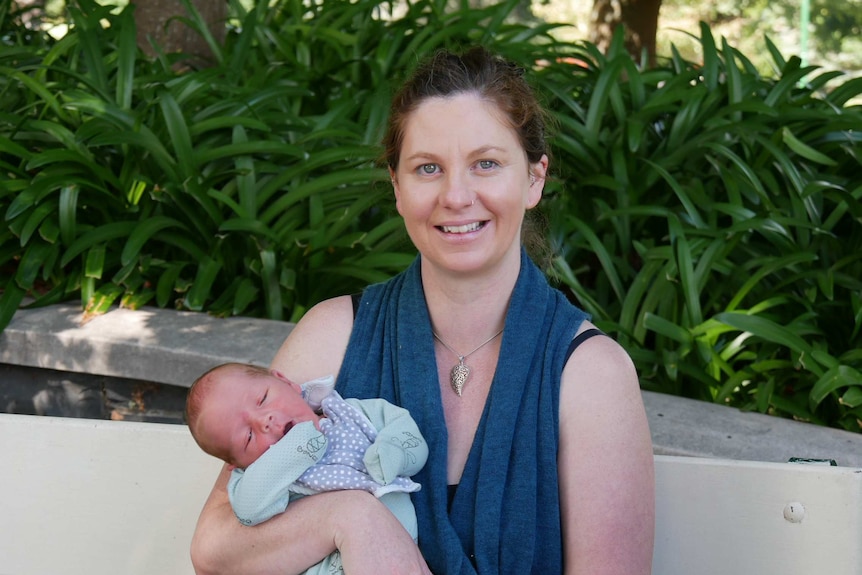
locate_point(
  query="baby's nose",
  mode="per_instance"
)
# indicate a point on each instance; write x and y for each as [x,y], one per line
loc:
[264,422]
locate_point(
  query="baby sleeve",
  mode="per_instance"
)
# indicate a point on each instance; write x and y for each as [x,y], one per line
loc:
[262,490]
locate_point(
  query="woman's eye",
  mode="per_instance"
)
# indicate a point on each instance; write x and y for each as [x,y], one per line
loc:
[428,168]
[487,164]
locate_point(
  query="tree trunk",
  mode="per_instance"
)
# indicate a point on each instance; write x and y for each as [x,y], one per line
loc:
[639,19]
[157,22]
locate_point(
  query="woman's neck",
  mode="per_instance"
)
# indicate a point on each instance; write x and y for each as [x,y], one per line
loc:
[465,308]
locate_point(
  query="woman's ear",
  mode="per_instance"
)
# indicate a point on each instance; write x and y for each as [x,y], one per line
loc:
[538,173]
[394,180]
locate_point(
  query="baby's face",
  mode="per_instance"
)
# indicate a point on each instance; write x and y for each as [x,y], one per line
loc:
[245,415]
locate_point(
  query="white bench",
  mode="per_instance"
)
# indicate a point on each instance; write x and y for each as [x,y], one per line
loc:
[102,497]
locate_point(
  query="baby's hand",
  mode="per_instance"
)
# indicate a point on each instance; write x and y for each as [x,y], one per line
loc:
[384,462]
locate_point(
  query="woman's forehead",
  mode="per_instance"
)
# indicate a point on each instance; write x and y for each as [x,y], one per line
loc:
[465,120]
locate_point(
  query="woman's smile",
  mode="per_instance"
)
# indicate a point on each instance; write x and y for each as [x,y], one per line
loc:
[463,228]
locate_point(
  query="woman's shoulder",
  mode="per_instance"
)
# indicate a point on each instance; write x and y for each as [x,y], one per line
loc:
[598,357]
[316,344]
[327,322]
[339,308]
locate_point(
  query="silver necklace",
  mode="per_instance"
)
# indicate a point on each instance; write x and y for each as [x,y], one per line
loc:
[461,371]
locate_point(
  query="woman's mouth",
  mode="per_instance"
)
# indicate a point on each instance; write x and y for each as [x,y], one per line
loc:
[462,229]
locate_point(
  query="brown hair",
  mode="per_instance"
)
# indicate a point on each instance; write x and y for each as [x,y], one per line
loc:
[200,390]
[445,74]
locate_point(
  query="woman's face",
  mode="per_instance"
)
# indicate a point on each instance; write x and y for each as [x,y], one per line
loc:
[463,184]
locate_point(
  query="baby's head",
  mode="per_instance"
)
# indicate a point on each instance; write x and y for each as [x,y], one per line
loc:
[237,411]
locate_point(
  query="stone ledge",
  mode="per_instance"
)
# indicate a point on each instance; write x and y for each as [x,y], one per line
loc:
[682,426]
[173,347]
[151,344]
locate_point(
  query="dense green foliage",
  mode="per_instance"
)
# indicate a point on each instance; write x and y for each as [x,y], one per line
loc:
[708,217]
[712,222]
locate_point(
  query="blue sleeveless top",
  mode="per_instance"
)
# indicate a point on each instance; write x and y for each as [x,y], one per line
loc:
[505,516]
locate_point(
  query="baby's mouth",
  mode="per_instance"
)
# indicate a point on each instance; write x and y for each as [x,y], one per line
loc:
[288,426]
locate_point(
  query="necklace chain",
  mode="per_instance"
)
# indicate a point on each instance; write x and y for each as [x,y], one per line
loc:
[461,371]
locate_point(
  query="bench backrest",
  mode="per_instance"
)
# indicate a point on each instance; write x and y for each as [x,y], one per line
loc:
[720,517]
[93,497]
[102,497]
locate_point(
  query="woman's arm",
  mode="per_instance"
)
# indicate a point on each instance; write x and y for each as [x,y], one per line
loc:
[370,538]
[607,481]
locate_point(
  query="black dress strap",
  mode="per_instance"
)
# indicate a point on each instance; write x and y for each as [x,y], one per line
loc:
[581,338]
[356,297]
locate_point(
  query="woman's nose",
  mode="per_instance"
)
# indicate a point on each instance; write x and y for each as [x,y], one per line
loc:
[456,193]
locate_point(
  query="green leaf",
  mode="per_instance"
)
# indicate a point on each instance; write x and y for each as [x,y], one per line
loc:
[271,288]
[201,288]
[102,299]
[136,300]
[142,233]
[11,297]
[34,257]
[246,294]
[249,226]
[765,329]
[602,253]
[768,267]
[39,89]
[605,86]
[34,220]
[66,213]
[95,236]
[804,150]
[262,147]
[734,77]
[49,230]
[95,264]
[178,130]
[710,57]
[852,397]
[126,54]
[666,328]
[848,90]
[166,283]
[838,377]
[688,280]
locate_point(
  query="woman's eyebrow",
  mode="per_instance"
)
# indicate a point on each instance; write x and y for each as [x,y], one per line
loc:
[488,148]
[420,156]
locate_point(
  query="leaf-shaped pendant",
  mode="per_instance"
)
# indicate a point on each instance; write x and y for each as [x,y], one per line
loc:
[458,377]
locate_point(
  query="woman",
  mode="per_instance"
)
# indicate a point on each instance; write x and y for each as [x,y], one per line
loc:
[540,454]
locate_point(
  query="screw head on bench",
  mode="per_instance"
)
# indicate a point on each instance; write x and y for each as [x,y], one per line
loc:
[794,512]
